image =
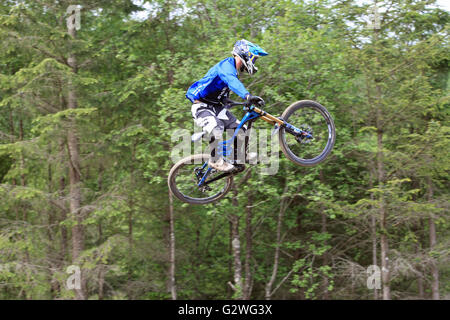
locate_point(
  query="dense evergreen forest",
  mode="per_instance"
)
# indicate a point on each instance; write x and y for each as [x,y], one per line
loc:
[87,111]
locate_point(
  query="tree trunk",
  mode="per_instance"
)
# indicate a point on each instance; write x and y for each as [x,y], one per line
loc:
[236,250]
[101,281]
[101,267]
[325,257]
[173,288]
[420,285]
[75,177]
[52,256]
[373,230]
[22,160]
[130,226]
[385,273]
[325,282]
[64,236]
[26,258]
[373,227]
[248,249]
[12,130]
[434,267]
[230,261]
[276,259]
[384,245]
[298,251]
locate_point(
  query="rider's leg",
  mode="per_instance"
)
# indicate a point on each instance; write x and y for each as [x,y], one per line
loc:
[239,143]
[213,127]
[217,158]
[215,137]
[242,154]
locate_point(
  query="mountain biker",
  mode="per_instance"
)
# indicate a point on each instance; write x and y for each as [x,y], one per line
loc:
[210,94]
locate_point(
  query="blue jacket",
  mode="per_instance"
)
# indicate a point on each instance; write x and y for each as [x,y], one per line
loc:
[217,82]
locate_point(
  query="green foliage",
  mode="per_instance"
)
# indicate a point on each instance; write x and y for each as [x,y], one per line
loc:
[386,89]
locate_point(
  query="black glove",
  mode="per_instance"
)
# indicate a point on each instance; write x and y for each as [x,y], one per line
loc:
[255,100]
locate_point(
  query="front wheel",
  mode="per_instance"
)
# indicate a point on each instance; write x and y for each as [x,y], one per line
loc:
[184,178]
[317,136]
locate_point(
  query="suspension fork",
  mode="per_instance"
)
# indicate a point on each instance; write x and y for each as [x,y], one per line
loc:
[268,117]
[281,123]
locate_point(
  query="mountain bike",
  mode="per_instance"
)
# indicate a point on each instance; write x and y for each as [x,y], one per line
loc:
[306,134]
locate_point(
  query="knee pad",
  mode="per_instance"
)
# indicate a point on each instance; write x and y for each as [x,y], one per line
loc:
[207,123]
[217,132]
[196,107]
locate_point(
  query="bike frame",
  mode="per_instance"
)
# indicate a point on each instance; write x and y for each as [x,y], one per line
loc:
[225,148]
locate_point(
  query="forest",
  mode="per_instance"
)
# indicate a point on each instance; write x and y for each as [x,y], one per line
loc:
[91,93]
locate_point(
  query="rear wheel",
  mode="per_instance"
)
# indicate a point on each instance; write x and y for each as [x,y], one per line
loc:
[315,120]
[184,178]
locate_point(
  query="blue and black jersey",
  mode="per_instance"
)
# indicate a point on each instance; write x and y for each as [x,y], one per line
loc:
[217,83]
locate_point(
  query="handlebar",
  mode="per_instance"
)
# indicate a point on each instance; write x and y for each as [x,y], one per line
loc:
[230,103]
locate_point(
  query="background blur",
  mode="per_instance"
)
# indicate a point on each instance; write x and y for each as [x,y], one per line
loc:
[86,116]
